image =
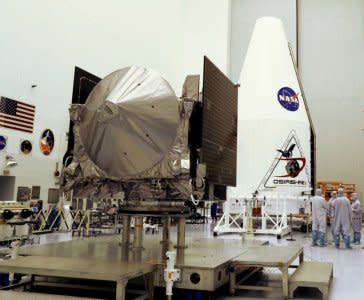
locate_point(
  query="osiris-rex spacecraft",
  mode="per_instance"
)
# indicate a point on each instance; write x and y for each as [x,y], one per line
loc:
[133,135]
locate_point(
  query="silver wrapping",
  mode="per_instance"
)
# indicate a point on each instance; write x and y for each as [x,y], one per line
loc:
[131,133]
[129,122]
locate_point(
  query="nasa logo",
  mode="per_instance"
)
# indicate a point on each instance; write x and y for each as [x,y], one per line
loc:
[2,142]
[288,98]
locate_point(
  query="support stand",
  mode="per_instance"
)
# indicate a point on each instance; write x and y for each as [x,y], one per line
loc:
[290,239]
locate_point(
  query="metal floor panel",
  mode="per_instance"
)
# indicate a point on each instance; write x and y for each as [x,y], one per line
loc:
[9,295]
[201,252]
[348,265]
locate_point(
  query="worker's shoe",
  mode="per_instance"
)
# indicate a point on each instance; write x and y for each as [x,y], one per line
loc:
[347,241]
[337,241]
[357,238]
[322,241]
[354,238]
[315,237]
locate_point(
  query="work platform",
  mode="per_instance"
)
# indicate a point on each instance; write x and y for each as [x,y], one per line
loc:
[269,256]
[204,263]
[79,268]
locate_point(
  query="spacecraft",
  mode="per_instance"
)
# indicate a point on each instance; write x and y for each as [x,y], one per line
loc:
[134,135]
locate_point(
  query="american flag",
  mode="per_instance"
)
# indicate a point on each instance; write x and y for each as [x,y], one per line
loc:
[16,115]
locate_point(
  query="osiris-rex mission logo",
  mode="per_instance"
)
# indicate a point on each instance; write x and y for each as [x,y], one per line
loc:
[288,98]
[289,167]
[293,167]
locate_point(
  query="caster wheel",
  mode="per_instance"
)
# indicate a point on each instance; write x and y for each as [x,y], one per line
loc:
[279,237]
[215,233]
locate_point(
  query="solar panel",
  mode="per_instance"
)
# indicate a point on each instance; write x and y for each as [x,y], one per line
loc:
[219,125]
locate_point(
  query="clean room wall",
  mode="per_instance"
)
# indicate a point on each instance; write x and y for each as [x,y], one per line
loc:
[205,31]
[244,13]
[331,60]
[41,42]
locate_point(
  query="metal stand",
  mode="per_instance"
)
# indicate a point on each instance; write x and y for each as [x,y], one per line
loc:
[234,210]
[126,231]
[181,233]
[166,226]
[290,239]
[138,233]
[240,208]
[165,240]
[138,239]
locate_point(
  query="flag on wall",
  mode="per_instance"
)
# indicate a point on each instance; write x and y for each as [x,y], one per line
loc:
[16,115]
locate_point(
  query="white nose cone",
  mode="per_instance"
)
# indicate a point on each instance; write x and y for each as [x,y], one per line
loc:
[271,118]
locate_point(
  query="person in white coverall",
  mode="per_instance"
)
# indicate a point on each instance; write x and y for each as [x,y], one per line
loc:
[331,212]
[342,219]
[356,218]
[320,208]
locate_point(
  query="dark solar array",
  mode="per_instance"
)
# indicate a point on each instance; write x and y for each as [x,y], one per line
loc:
[219,128]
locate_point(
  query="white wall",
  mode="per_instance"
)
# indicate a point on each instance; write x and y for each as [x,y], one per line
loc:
[331,64]
[205,31]
[244,13]
[41,42]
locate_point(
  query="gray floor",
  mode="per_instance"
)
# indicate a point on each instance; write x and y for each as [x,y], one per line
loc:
[348,269]
[11,295]
[348,265]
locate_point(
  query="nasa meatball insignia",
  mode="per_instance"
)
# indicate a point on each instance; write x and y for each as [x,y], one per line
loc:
[2,142]
[288,98]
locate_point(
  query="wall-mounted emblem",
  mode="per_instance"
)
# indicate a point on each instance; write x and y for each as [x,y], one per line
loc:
[26,147]
[47,142]
[3,141]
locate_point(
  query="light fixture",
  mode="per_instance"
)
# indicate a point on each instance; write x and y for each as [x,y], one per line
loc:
[10,161]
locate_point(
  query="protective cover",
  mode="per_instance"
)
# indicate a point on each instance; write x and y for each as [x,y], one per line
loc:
[131,129]
[129,122]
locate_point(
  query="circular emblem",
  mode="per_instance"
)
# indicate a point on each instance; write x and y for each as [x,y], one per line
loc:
[2,142]
[26,147]
[47,142]
[293,168]
[288,98]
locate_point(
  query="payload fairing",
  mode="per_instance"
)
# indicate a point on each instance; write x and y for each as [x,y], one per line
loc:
[274,131]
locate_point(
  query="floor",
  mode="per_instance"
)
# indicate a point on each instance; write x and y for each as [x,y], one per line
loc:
[348,271]
[11,295]
[348,268]
[348,265]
